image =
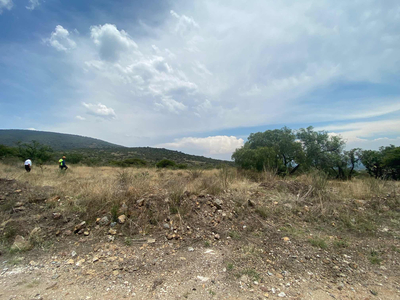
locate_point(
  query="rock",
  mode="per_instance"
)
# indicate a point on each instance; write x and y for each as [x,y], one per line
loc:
[98,220]
[244,279]
[86,233]
[80,262]
[20,208]
[70,262]
[95,258]
[140,202]
[111,238]
[190,249]
[104,221]
[54,199]
[282,295]
[166,225]
[112,231]
[203,279]
[151,241]
[113,224]
[218,203]
[250,203]
[79,227]
[67,232]
[56,216]
[18,204]
[217,236]
[18,191]
[285,239]
[121,219]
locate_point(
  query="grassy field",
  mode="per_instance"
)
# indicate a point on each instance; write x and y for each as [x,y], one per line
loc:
[359,205]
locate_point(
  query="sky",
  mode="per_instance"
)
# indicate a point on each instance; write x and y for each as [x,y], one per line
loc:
[200,76]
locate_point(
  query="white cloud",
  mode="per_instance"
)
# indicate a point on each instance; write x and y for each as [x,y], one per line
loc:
[80,118]
[31,128]
[32,4]
[185,24]
[111,41]
[60,39]
[100,110]
[367,134]
[212,145]
[5,4]
[171,105]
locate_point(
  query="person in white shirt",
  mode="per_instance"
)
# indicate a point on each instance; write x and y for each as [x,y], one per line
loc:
[28,165]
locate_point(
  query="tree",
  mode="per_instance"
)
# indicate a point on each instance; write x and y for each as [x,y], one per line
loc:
[37,152]
[322,151]
[273,149]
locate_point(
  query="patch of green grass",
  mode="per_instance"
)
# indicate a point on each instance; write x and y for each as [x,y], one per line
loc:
[251,273]
[318,242]
[212,293]
[114,213]
[128,241]
[395,249]
[262,212]
[207,244]
[374,258]
[341,244]
[229,266]
[234,235]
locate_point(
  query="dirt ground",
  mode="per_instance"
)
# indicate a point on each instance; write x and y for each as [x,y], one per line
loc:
[214,256]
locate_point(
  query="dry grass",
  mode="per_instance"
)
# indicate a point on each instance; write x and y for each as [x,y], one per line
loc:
[93,191]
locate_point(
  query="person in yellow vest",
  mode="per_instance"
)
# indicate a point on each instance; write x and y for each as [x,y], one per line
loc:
[62,164]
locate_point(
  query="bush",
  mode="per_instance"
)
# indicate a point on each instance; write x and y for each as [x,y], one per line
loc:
[165,163]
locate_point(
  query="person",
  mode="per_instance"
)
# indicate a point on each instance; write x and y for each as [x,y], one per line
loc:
[28,165]
[62,164]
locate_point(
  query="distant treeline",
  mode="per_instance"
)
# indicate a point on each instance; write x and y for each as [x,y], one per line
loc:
[121,157]
[286,151]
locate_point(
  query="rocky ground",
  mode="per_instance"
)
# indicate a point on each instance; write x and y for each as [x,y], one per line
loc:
[222,252]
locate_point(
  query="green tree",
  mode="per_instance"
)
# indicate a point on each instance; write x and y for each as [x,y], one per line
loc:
[37,152]
[273,149]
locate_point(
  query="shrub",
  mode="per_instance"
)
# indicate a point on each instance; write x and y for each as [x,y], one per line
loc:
[165,163]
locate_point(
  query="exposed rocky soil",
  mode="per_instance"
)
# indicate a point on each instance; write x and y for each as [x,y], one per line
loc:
[221,251]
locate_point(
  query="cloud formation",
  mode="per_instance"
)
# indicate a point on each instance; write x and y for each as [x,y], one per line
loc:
[99,110]
[111,41]
[32,4]
[60,39]
[208,146]
[5,4]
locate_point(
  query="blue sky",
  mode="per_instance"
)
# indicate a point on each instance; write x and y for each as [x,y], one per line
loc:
[200,76]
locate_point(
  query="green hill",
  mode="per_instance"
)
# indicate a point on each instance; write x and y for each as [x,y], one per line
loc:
[97,152]
[57,141]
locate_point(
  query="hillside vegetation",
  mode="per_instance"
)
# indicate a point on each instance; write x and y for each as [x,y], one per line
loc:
[92,152]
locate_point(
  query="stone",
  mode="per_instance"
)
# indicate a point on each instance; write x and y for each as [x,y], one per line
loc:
[285,239]
[73,253]
[190,249]
[282,295]
[80,262]
[121,219]
[104,221]
[56,216]
[86,233]
[250,203]
[112,231]
[18,204]
[140,202]
[79,227]
[218,203]
[113,224]
[53,199]
[217,236]
[67,232]
[95,258]
[70,262]
[203,279]
[111,238]
[166,226]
